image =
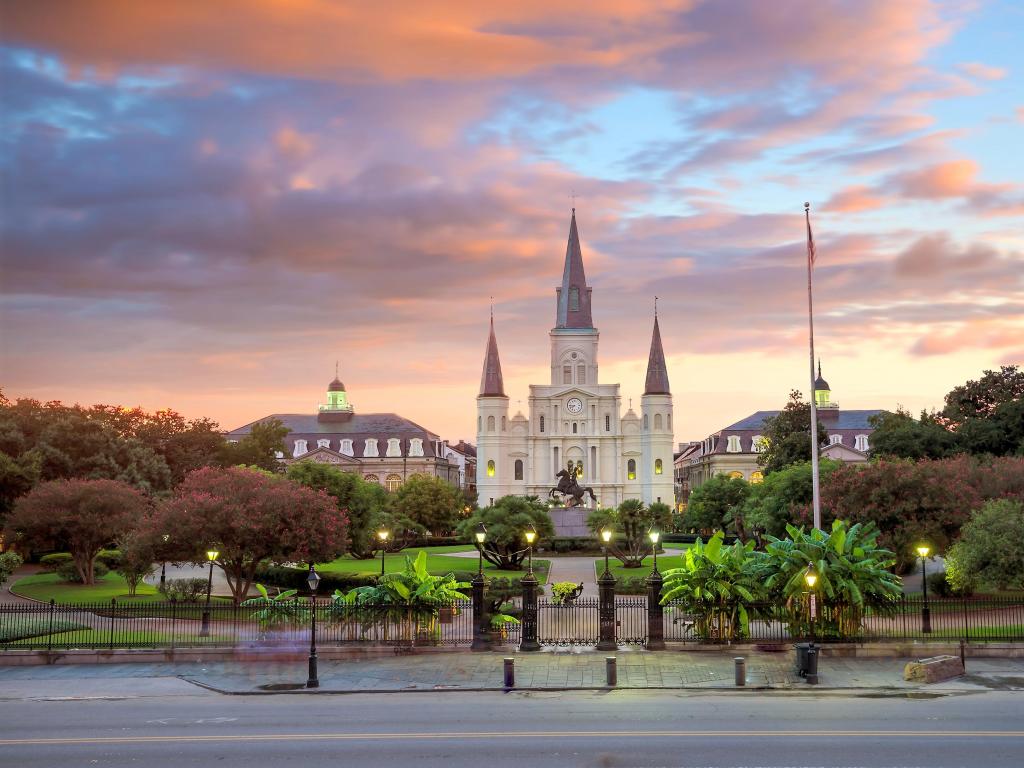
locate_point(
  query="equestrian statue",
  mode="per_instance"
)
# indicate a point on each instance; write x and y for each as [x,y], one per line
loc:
[569,488]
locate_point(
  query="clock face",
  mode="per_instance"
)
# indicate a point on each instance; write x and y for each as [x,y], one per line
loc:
[574,405]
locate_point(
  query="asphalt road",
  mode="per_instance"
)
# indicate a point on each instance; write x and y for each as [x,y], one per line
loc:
[493,730]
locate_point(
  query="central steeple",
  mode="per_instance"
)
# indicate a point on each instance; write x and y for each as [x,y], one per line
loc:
[573,309]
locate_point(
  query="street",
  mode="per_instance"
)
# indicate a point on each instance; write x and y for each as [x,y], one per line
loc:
[169,722]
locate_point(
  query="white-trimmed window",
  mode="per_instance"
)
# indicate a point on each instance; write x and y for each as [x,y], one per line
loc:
[733,445]
[277,454]
[393,482]
[416,446]
[503,424]
[581,374]
[861,443]
[394,447]
[835,439]
[300,448]
[370,447]
[346,447]
[519,469]
[323,443]
[757,444]
[657,421]
[490,423]
[371,479]
[646,424]
[631,469]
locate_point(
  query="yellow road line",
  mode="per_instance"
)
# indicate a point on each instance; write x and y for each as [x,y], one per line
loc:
[732,734]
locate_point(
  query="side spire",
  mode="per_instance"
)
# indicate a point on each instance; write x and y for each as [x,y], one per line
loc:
[657,372]
[491,382]
[573,309]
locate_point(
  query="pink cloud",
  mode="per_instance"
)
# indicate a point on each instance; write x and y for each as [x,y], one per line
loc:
[982,71]
[854,199]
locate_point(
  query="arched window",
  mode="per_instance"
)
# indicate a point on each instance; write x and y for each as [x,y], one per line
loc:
[657,421]
[371,479]
[502,423]
[657,466]
[346,447]
[490,467]
[670,422]
[370,447]
[519,469]
[394,447]
[393,482]
[479,423]
[835,439]
[542,422]
[300,448]
[607,423]
[416,446]
[733,445]
[735,475]
[574,427]
[756,477]
[861,443]
[645,422]
[631,469]
[490,423]
[574,299]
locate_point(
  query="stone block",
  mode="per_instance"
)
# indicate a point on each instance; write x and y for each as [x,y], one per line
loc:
[934,669]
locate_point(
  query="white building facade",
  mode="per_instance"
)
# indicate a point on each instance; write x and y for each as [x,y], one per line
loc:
[575,419]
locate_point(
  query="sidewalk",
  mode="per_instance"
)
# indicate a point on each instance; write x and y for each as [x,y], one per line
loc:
[557,670]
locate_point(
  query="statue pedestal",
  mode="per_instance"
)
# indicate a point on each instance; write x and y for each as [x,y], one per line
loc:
[570,521]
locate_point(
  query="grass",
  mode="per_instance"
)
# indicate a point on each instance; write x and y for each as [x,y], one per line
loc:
[14,627]
[440,562]
[48,586]
[665,563]
[97,638]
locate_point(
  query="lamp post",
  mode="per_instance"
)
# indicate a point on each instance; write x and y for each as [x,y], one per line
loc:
[382,534]
[480,635]
[926,615]
[313,580]
[163,563]
[204,628]
[655,611]
[654,535]
[811,664]
[528,639]
[606,601]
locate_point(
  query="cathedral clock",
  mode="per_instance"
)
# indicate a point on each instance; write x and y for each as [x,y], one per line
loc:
[574,405]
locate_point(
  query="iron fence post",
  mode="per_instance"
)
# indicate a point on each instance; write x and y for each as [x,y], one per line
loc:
[481,633]
[606,612]
[655,613]
[174,620]
[528,640]
[113,607]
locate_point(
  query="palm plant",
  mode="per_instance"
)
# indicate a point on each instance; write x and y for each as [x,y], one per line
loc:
[717,585]
[282,610]
[854,574]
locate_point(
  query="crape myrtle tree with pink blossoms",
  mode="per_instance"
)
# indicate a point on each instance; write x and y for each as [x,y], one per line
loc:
[248,516]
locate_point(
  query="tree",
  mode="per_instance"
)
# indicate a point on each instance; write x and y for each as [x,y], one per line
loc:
[136,561]
[81,516]
[18,475]
[979,399]
[506,522]
[248,516]
[631,523]
[259,448]
[713,505]
[9,563]
[783,497]
[787,435]
[365,503]
[899,435]
[430,502]
[989,553]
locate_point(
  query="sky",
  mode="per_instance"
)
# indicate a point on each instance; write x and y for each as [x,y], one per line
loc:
[204,206]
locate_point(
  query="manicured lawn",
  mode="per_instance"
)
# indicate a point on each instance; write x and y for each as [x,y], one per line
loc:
[98,638]
[665,563]
[47,586]
[439,562]
[14,627]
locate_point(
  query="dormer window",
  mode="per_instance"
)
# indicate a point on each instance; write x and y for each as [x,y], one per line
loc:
[370,447]
[394,447]
[835,439]
[300,448]
[346,447]
[757,444]
[861,443]
[323,443]
[574,299]
[416,447]
[733,445]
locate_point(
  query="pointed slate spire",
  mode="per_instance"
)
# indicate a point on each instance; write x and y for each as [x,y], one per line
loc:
[657,373]
[573,309]
[491,383]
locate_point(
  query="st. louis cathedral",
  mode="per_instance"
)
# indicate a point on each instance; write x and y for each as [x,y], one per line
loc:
[574,422]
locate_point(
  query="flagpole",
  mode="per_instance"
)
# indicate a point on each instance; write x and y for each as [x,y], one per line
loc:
[815,488]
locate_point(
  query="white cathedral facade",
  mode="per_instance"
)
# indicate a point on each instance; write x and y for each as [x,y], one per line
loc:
[575,420]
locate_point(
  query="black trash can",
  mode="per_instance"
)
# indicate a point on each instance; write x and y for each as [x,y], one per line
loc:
[807,662]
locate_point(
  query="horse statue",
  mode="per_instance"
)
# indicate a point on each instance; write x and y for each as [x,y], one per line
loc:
[570,489]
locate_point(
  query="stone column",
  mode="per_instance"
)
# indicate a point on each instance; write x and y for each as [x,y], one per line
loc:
[528,640]
[655,613]
[481,621]
[606,612]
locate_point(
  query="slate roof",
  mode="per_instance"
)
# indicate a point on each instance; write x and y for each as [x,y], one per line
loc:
[491,382]
[832,420]
[573,276]
[657,372]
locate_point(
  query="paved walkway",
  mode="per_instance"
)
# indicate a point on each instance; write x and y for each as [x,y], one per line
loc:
[546,670]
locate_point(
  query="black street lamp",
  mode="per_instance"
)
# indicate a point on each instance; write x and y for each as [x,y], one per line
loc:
[382,534]
[606,601]
[481,536]
[313,580]
[531,536]
[926,614]
[163,563]
[606,537]
[204,628]
[481,641]
[654,536]
[811,579]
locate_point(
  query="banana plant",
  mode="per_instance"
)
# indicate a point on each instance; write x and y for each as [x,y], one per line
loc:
[283,610]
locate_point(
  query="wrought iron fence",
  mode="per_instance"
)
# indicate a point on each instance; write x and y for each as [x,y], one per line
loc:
[173,625]
[572,623]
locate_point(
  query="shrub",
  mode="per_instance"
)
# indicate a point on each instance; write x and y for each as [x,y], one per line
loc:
[52,562]
[67,571]
[110,558]
[563,591]
[9,563]
[286,577]
[631,585]
[184,590]
[940,586]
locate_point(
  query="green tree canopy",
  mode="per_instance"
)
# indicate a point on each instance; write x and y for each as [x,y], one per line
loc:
[787,435]
[990,552]
[430,502]
[783,497]
[712,505]
[507,521]
[900,435]
[630,523]
[259,448]
[979,399]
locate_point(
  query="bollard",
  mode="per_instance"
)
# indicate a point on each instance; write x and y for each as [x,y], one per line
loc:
[812,665]
[741,670]
[510,673]
[611,671]
[963,653]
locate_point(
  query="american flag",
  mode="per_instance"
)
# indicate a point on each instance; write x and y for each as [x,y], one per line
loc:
[810,237]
